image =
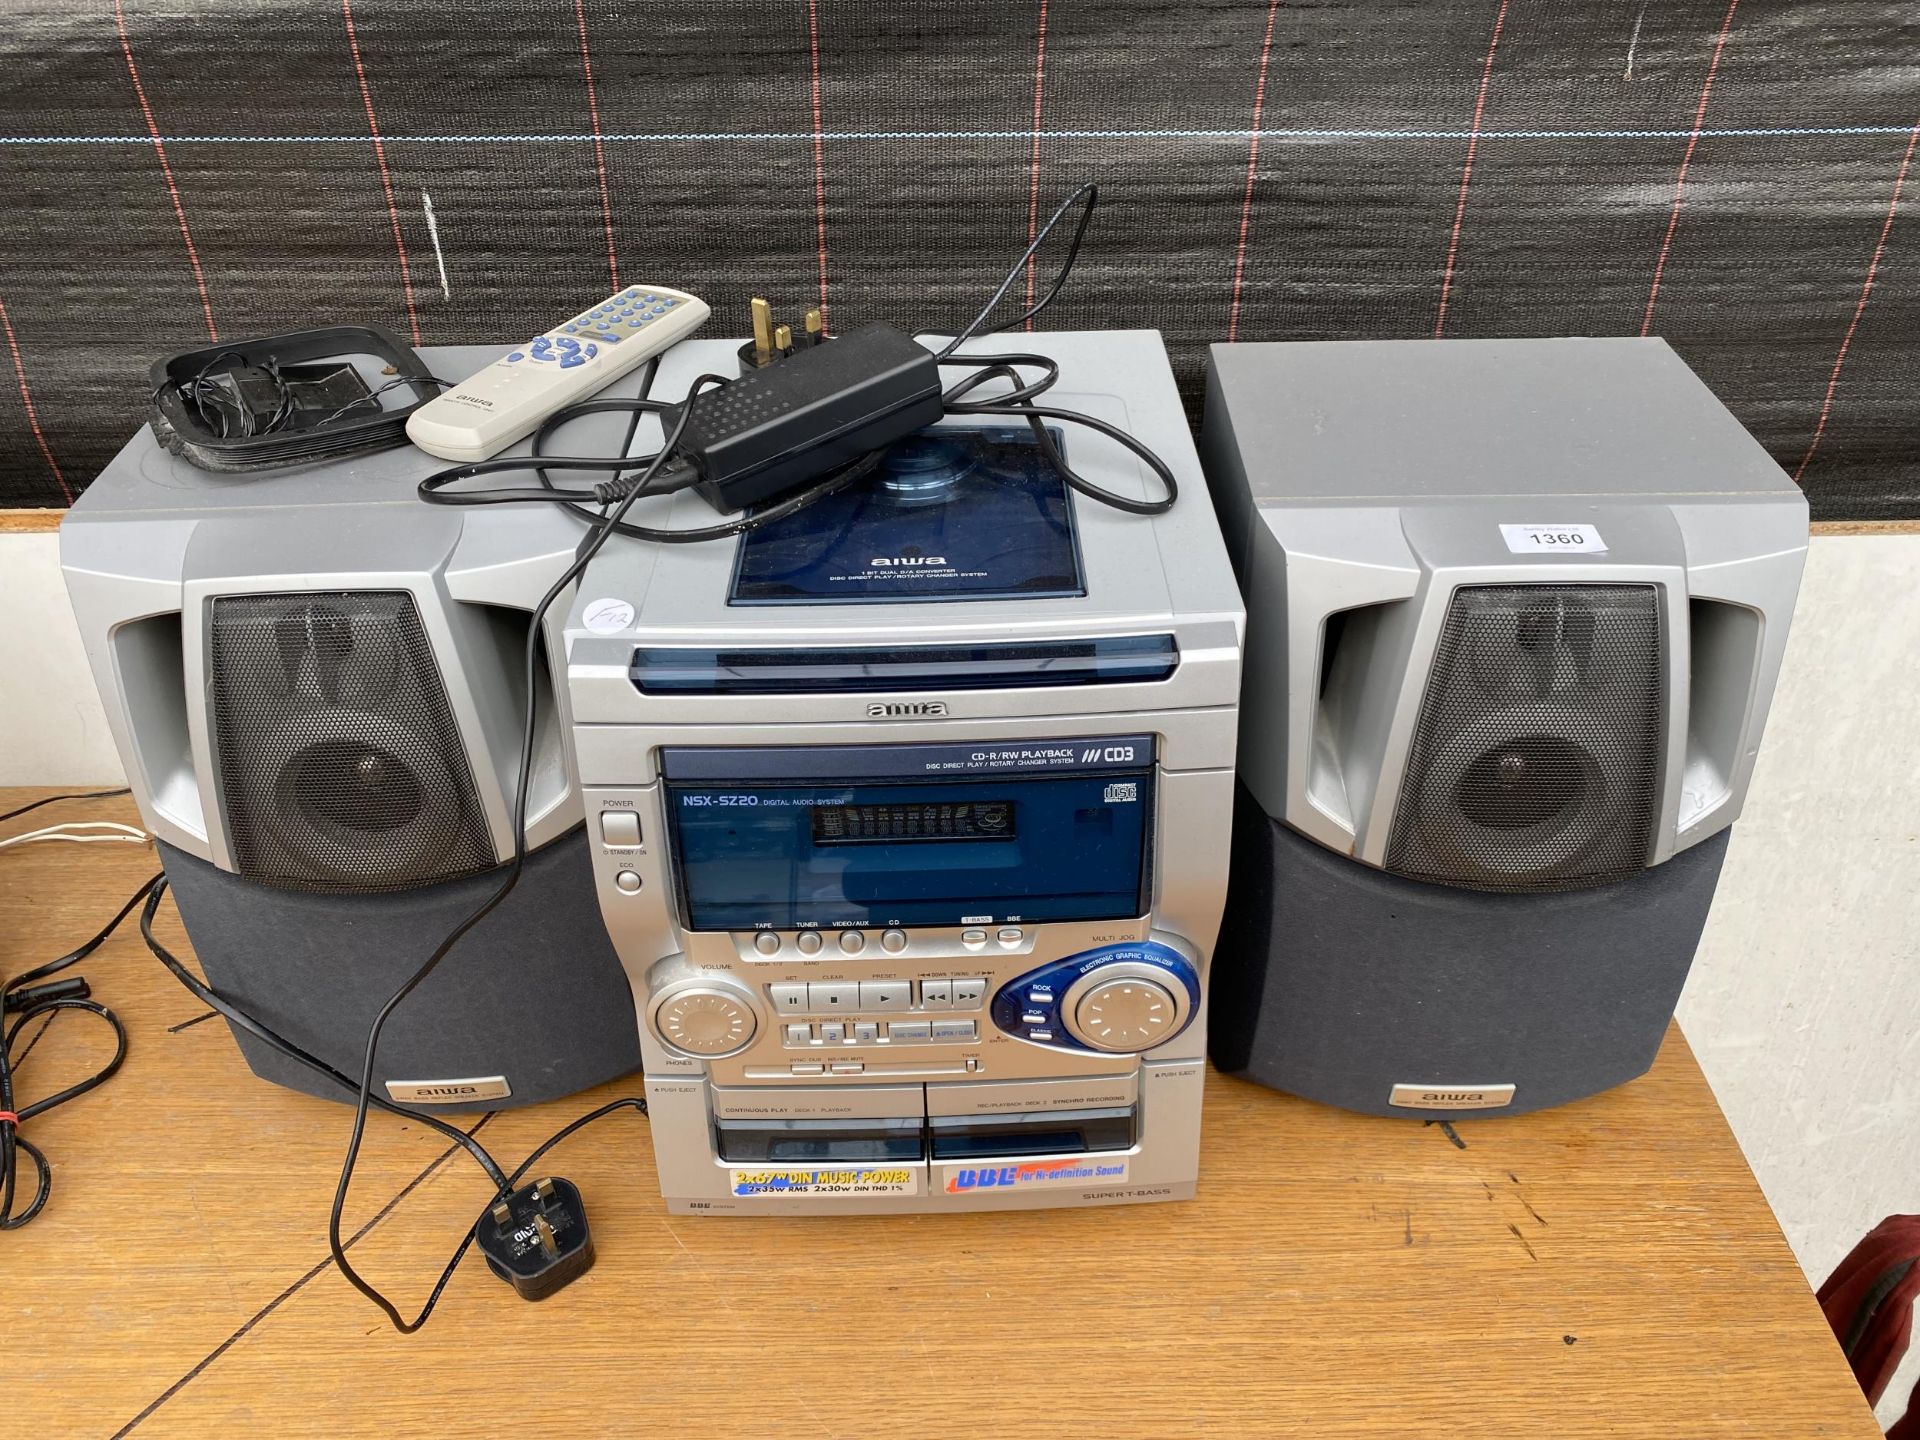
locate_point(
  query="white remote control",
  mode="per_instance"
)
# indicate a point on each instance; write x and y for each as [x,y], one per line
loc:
[511,397]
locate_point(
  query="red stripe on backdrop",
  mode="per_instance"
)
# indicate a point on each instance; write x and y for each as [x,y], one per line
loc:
[1253,159]
[1686,159]
[819,156]
[1466,173]
[599,150]
[1033,167]
[386,177]
[26,399]
[166,170]
[1866,291]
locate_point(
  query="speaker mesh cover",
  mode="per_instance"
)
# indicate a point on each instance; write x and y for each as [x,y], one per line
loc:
[340,765]
[1536,761]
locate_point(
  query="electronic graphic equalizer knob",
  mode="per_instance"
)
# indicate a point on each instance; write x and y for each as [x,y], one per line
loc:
[1124,1008]
[708,1017]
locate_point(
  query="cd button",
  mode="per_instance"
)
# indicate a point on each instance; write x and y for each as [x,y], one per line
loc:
[808,1067]
[809,942]
[969,994]
[789,999]
[973,939]
[953,1030]
[840,995]
[620,827]
[908,1031]
[1012,935]
[853,942]
[767,943]
[865,1032]
[799,1034]
[832,1032]
[886,994]
[628,882]
[847,1067]
[894,941]
[936,994]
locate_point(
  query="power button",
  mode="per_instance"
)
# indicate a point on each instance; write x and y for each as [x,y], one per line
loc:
[620,828]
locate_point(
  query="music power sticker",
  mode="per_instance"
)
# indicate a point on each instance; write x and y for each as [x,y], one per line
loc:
[608,616]
[1553,539]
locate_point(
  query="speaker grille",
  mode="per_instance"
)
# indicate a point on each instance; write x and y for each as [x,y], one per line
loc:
[340,765]
[1536,761]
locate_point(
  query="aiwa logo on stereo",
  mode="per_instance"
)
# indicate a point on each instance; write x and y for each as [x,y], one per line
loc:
[905,709]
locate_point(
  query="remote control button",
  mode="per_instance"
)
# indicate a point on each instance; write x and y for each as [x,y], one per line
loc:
[592,350]
[635,324]
[541,342]
[567,344]
[572,328]
[571,361]
[516,355]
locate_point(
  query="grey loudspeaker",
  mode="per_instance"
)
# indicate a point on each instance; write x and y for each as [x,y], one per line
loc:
[316,684]
[1515,614]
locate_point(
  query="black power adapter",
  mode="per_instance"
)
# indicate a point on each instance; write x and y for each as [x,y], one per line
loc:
[820,408]
[536,1238]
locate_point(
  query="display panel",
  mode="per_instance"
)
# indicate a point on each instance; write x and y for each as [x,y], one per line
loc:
[757,855]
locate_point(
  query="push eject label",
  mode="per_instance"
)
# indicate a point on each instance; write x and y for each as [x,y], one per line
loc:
[781,1181]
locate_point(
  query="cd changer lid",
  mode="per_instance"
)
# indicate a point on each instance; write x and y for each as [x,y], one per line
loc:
[1033,664]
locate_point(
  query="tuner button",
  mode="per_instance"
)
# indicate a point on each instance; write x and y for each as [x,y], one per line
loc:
[707,1018]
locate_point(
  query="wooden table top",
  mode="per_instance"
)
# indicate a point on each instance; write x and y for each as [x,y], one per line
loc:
[1607,1269]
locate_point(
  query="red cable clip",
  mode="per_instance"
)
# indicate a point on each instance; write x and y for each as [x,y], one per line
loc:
[7,1116]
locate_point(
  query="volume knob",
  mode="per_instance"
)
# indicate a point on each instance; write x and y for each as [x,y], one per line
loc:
[707,1018]
[1124,1008]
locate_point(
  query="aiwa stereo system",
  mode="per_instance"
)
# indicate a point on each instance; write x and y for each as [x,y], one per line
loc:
[1516,610]
[910,818]
[891,840]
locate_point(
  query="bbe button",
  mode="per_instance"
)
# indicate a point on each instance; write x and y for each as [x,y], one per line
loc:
[620,828]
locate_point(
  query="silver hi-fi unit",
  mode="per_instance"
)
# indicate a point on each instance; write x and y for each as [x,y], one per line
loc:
[1516,610]
[315,683]
[910,816]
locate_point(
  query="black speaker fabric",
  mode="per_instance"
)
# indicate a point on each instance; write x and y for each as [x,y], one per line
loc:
[1338,982]
[1535,762]
[534,994]
[340,766]
[1735,177]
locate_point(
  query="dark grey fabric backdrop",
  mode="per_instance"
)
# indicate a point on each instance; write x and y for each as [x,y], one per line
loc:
[1734,176]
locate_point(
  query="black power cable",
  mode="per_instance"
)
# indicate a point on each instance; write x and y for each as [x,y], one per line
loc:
[25,997]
